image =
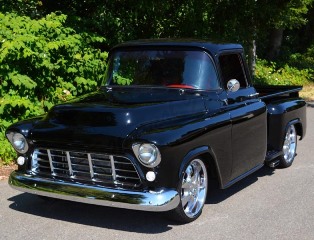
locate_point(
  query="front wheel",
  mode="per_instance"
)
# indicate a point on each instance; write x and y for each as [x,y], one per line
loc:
[289,147]
[193,191]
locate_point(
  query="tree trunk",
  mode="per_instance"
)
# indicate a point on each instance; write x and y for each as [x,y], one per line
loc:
[252,58]
[275,41]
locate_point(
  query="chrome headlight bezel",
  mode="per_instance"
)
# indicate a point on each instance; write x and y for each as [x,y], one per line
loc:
[18,141]
[147,154]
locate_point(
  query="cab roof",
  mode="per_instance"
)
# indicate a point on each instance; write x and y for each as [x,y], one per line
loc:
[212,47]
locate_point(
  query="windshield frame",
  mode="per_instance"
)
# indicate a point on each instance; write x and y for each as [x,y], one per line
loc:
[110,71]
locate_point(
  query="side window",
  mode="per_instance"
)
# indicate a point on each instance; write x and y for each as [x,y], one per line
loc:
[231,68]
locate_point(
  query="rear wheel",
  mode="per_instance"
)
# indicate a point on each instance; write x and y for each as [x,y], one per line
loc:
[193,191]
[289,147]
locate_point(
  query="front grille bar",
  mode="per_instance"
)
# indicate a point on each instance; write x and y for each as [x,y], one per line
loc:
[100,168]
[69,163]
[113,168]
[91,169]
[50,162]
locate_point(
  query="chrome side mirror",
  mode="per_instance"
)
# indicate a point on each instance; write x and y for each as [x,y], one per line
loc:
[233,85]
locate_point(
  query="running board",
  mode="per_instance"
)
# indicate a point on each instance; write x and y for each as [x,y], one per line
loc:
[273,164]
[243,176]
[273,154]
[271,158]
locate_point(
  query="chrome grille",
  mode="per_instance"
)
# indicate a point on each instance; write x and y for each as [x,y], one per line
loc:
[91,167]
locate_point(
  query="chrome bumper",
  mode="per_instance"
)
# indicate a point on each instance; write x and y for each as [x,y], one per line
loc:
[155,201]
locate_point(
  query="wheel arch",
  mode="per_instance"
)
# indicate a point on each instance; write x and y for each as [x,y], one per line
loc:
[208,156]
[299,128]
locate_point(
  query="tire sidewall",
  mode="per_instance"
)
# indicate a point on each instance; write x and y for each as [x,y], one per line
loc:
[283,162]
[178,213]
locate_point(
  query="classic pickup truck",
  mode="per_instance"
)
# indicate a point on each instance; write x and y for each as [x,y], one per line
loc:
[171,115]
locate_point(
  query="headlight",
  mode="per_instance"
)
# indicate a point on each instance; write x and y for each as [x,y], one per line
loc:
[147,153]
[18,141]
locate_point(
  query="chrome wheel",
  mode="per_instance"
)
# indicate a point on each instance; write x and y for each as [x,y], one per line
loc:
[290,145]
[194,188]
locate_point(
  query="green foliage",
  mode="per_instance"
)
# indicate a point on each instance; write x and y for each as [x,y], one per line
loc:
[22,7]
[236,21]
[303,61]
[43,62]
[47,57]
[267,73]
[7,152]
[291,14]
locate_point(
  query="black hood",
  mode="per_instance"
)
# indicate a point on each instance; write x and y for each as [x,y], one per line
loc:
[107,117]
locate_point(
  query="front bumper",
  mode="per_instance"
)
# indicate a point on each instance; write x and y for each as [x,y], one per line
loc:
[155,201]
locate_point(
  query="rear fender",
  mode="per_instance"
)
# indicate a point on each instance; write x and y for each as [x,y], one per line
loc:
[281,114]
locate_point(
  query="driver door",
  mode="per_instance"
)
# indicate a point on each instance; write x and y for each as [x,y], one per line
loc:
[248,117]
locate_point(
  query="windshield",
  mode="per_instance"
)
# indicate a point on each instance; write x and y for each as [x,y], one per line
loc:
[169,68]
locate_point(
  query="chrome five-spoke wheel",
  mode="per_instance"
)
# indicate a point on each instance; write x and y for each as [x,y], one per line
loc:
[193,190]
[289,147]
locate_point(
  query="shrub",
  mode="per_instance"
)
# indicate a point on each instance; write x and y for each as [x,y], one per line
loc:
[267,73]
[43,62]
[305,60]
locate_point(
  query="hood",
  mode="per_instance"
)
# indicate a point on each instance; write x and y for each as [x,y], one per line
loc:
[106,118]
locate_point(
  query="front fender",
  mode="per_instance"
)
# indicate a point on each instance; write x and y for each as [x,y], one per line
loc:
[207,155]
[183,139]
[24,126]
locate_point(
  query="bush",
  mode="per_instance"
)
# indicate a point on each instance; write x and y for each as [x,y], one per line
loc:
[7,153]
[267,73]
[305,60]
[22,7]
[43,62]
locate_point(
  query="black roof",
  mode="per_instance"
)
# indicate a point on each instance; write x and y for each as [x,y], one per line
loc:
[212,47]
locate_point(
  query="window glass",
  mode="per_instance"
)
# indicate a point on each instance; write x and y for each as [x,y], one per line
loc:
[231,68]
[194,69]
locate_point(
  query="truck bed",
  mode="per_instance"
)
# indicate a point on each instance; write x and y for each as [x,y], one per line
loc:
[267,93]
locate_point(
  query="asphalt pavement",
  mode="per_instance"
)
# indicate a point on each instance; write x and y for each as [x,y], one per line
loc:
[270,204]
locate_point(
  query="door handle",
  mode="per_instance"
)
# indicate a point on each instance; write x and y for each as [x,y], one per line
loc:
[253,95]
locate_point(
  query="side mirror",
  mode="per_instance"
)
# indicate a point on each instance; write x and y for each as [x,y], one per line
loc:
[233,85]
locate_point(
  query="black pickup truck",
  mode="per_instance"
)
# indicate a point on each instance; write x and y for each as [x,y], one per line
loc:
[170,116]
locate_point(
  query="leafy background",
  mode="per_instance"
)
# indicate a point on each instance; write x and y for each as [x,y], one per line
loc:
[43,62]
[52,51]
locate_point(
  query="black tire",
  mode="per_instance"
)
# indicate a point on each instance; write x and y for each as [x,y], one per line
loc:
[193,190]
[289,147]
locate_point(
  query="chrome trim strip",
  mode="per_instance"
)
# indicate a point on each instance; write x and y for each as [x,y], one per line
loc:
[69,163]
[91,170]
[50,162]
[157,201]
[113,168]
